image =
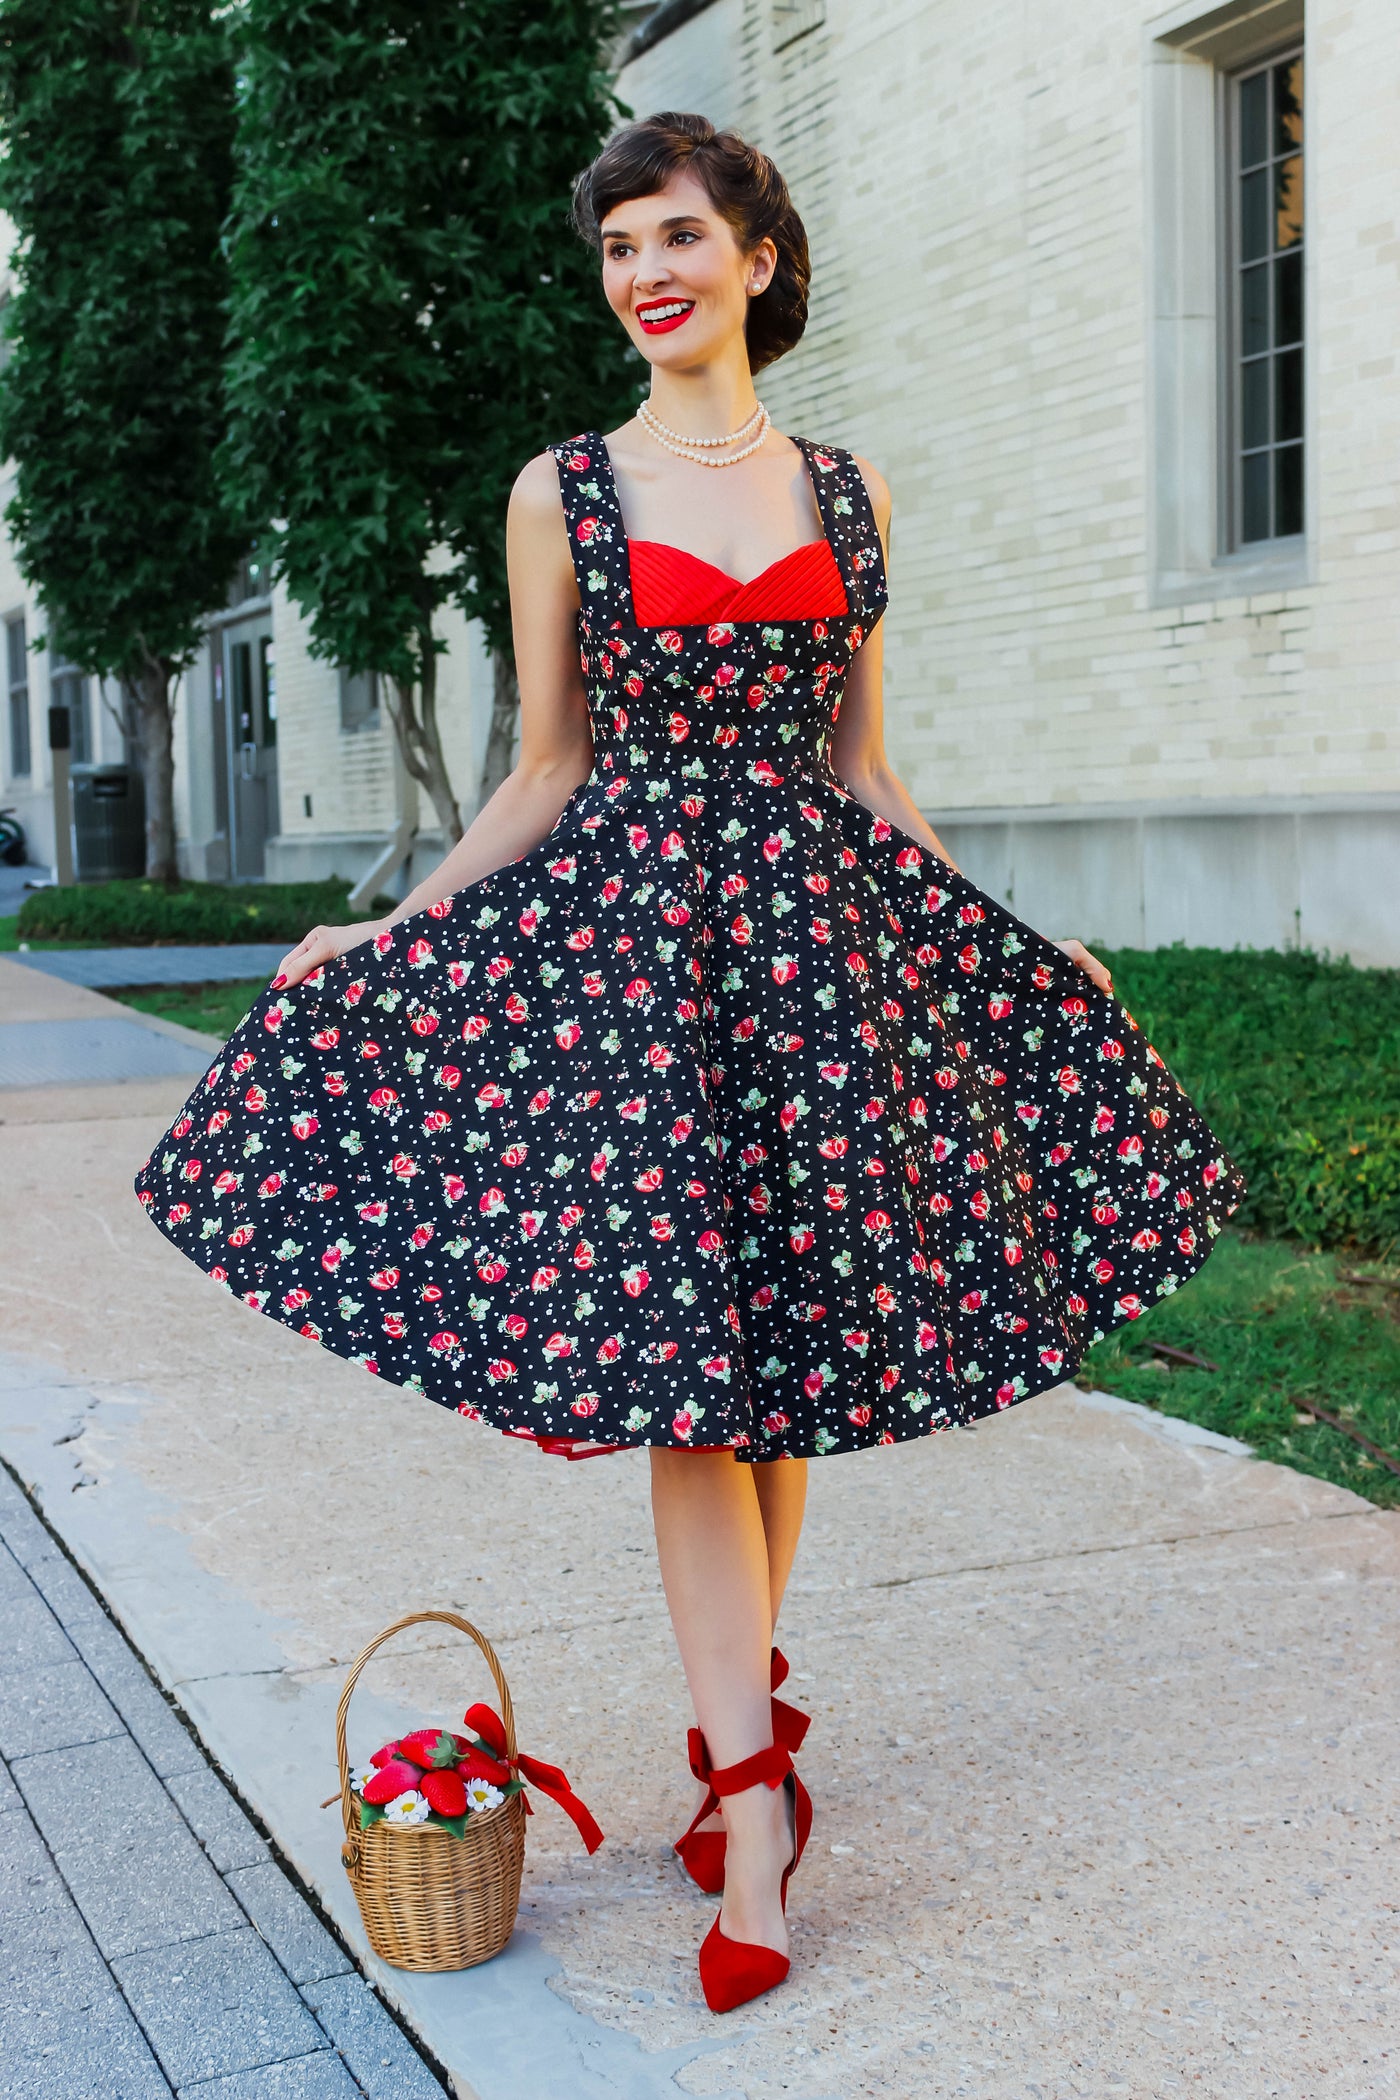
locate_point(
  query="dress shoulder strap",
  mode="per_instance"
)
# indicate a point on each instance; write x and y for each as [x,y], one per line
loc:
[597,540]
[849,522]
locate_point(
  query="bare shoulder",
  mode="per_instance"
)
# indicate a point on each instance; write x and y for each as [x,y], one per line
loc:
[878,490]
[535,496]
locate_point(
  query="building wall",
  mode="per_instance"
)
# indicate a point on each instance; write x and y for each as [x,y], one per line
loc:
[985,203]
[341,790]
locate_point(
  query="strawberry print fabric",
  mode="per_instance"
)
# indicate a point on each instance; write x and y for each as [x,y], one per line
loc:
[727,1115]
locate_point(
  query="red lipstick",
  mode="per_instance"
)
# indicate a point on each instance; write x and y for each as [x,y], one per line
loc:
[669,314]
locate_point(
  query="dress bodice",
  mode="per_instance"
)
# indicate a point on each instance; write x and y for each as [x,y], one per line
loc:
[738,685]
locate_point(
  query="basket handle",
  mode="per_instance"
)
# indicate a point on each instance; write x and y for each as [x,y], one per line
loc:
[415,1618]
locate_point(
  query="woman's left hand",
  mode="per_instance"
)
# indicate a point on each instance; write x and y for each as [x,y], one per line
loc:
[1090,964]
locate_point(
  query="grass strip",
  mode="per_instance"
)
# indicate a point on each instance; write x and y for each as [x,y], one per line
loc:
[213,1009]
[1285,1327]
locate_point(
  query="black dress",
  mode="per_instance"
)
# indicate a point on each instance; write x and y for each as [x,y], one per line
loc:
[728,1115]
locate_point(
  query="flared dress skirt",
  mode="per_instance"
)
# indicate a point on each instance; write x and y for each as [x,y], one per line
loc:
[730,1114]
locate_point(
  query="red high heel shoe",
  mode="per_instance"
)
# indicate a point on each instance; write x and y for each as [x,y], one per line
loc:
[734,1971]
[701,1852]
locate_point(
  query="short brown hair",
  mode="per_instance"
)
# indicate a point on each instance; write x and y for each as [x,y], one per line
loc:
[743,186]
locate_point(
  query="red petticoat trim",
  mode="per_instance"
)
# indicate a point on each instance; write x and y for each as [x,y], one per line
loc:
[579,1447]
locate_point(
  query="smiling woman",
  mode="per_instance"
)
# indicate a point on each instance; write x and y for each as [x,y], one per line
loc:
[697,1101]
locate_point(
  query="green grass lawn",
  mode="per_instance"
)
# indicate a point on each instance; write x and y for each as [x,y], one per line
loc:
[9,938]
[1282,1325]
[214,1009]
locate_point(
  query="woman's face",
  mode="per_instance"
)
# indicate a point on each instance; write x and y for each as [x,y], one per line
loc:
[675,276]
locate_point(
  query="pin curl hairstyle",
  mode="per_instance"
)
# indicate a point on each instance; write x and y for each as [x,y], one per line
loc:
[743,186]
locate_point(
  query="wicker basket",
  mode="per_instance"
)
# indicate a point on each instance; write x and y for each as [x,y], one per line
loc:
[431,1900]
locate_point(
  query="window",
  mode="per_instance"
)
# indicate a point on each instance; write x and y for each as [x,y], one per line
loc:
[17,673]
[359,700]
[68,687]
[1229,416]
[1266,300]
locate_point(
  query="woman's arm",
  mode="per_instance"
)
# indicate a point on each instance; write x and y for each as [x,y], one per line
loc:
[556,744]
[858,744]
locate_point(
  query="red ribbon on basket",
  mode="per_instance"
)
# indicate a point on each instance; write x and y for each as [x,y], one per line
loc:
[499,1768]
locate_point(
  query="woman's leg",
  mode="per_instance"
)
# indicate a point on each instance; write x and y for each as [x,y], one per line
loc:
[781,1485]
[713,1551]
[782,1500]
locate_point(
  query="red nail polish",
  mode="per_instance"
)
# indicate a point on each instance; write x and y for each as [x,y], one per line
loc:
[278,982]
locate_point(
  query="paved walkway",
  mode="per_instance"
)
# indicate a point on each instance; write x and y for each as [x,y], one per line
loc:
[1103,1711]
[57,1034]
[155,1945]
[102,969]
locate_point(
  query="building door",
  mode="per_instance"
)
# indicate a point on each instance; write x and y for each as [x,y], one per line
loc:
[250,710]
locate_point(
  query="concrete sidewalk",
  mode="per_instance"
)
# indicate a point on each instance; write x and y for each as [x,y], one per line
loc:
[157,1945]
[100,969]
[1104,1713]
[53,1033]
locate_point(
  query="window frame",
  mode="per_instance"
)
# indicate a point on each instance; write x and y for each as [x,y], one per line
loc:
[1232,543]
[19,738]
[1188,57]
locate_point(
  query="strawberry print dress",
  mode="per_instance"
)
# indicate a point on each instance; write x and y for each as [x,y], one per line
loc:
[727,1116]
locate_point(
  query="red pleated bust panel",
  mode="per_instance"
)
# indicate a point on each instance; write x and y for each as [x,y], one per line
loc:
[673,588]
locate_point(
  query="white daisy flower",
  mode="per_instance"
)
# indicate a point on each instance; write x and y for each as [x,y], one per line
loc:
[411,1807]
[360,1780]
[482,1795]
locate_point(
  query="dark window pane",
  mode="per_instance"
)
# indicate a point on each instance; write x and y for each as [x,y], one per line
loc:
[1254,215]
[1288,395]
[1254,404]
[1254,310]
[1288,105]
[1254,119]
[1288,497]
[1288,299]
[19,731]
[18,655]
[1254,496]
[1288,201]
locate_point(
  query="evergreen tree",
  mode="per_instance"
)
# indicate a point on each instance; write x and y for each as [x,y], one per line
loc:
[117,120]
[412,316]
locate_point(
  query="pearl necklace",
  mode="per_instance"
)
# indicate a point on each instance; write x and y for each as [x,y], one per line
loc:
[698,450]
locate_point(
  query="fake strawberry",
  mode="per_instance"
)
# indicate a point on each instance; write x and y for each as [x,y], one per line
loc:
[445,1792]
[391,1780]
[477,1765]
[433,1748]
[383,1754]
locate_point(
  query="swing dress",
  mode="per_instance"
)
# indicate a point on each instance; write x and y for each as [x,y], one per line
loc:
[729,1115]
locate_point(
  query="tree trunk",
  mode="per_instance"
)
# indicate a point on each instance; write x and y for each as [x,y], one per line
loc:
[500,741]
[146,691]
[413,711]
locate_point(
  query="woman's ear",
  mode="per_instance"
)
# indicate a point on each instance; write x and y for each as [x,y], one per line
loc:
[762,263]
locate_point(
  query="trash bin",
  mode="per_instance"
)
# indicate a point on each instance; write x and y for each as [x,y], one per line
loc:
[109,822]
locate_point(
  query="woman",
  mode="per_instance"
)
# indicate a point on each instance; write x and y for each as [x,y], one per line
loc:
[696,1101]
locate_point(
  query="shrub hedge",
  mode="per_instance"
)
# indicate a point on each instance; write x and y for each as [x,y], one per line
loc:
[1295,1062]
[142,914]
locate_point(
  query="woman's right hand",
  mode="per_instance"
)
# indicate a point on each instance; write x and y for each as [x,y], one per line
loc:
[322,945]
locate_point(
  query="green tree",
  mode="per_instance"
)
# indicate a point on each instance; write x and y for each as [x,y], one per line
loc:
[117,120]
[412,316]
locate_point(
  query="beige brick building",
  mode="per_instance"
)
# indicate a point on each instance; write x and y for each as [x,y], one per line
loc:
[1037,253]
[1112,297]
